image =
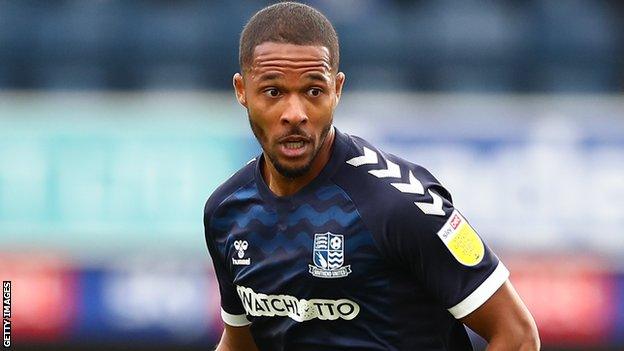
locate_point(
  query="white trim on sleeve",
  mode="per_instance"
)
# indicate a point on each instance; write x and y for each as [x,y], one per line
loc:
[235,320]
[482,293]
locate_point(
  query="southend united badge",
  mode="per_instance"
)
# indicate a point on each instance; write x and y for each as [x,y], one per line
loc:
[328,256]
[462,240]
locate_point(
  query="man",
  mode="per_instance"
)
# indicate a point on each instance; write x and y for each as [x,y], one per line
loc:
[325,242]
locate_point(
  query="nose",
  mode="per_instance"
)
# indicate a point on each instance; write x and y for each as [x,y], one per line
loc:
[294,114]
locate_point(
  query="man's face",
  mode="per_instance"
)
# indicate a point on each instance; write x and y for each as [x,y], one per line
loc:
[290,92]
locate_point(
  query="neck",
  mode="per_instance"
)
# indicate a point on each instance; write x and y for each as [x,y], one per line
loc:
[284,186]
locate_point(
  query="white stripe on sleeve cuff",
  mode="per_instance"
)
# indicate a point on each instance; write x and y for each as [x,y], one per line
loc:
[482,293]
[235,320]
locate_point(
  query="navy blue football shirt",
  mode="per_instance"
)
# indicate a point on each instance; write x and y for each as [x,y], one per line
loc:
[371,255]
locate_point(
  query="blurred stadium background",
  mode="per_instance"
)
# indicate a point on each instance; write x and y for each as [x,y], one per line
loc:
[117,121]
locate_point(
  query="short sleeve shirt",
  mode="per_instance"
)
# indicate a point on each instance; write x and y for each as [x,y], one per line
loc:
[371,255]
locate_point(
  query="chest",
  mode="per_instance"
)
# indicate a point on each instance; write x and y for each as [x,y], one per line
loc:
[310,249]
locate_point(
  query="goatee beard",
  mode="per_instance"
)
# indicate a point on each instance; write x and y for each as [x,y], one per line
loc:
[290,173]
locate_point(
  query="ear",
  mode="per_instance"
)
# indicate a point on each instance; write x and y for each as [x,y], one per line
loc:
[340,79]
[239,89]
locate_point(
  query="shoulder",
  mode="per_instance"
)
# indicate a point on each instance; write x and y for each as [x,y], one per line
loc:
[401,203]
[238,180]
[389,181]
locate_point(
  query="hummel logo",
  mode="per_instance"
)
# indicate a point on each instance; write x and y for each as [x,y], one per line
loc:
[241,246]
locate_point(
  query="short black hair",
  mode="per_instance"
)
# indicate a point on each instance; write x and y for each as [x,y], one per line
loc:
[288,22]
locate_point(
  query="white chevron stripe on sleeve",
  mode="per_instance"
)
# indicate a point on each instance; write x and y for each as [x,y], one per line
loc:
[434,208]
[369,157]
[413,187]
[393,171]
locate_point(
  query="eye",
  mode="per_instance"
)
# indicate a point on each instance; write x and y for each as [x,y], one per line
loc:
[272,92]
[315,92]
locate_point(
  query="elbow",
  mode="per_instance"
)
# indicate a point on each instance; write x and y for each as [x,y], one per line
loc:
[529,344]
[531,340]
[527,338]
[521,337]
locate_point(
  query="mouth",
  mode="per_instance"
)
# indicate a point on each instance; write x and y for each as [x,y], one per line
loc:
[294,146]
[291,145]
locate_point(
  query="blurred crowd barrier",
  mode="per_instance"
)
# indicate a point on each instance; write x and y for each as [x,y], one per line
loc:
[101,199]
[577,300]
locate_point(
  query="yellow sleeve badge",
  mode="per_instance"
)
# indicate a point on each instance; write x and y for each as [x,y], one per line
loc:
[461,240]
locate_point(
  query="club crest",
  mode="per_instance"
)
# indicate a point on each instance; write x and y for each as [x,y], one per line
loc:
[328,256]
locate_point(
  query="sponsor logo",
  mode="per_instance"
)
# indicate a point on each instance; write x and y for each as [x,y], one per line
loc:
[328,256]
[240,260]
[461,240]
[300,310]
[455,220]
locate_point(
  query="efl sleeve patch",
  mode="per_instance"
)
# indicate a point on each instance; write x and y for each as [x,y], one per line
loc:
[461,240]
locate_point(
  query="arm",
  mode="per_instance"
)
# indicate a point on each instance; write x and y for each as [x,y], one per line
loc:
[504,322]
[236,339]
